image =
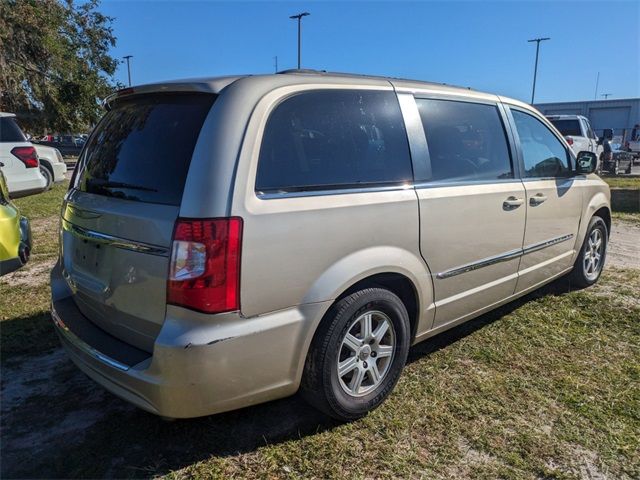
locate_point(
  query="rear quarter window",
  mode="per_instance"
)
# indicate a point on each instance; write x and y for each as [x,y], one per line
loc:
[334,139]
[141,150]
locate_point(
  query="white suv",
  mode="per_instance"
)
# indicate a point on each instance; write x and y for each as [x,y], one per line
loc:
[578,133]
[52,164]
[19,160]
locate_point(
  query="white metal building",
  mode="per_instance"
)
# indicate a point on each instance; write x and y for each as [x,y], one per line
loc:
[620,114]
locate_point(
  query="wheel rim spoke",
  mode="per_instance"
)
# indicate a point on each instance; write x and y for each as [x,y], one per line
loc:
[347,365]
[384,351]
[374,372]
[352,342]
[380,331]
[366,326]
[356,381]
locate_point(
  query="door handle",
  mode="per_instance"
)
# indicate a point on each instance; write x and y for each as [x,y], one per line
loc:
[512,202]
[537,199]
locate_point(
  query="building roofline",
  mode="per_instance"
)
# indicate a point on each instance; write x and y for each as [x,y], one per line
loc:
[628,99]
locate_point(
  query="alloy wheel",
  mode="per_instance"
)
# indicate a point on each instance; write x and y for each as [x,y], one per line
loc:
[593,254]
[366,353]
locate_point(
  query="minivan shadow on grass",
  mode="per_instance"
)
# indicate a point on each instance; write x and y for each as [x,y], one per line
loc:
[56,422]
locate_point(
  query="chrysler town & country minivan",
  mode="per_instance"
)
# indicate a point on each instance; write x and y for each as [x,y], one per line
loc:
[229,241]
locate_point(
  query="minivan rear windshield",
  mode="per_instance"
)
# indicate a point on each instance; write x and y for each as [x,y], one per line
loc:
[568,127]
[142,148]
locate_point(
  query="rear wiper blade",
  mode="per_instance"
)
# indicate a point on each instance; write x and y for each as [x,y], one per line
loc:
[108,184]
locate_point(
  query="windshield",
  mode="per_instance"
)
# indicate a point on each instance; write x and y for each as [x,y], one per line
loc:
[142,148]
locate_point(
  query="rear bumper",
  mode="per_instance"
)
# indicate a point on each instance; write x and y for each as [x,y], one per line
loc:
[200,365]
[26,185]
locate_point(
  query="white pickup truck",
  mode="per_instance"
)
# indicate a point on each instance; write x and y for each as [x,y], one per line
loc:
[577,130]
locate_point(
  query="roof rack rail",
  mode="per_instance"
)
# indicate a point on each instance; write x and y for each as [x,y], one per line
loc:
[302,70]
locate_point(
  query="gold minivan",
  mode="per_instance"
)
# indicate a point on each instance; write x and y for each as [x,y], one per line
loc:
[232,240]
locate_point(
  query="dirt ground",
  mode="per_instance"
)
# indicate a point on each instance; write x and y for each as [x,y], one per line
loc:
[46,400]
[624,245]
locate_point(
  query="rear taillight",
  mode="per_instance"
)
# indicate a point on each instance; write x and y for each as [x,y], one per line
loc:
[205,264]
[569,140]
[27,155]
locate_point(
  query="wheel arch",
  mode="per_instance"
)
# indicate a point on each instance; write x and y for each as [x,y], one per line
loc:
[47,164]
[394,268]
[605,214]
[398,284]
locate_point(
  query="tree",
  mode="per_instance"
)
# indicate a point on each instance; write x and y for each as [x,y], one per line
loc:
[55,65]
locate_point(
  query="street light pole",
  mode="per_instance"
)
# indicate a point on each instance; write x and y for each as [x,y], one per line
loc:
[127,57]
[299,18]
[606,95]
[535,69]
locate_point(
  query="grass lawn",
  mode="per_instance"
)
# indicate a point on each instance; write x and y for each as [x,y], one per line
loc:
[547,387]
[623,182]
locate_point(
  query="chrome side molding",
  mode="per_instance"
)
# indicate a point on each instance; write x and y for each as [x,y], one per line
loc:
[113,241]
[503,257]
[485,262]
[547,243]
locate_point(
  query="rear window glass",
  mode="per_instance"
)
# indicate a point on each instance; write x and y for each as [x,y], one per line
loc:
[568,127]
[10,131]
[331,139]
[142,148]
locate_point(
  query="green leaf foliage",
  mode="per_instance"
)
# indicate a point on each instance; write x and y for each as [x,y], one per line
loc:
[55,65]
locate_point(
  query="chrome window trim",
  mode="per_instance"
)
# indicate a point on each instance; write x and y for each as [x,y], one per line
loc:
[464,183]
[334,191]
[85,347]
[114,241]
[503,257]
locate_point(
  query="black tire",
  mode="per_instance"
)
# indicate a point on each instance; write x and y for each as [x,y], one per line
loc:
[48,175]
[321,386]
[579,275]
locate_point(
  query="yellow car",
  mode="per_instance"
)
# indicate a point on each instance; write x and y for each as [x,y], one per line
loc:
[15,233]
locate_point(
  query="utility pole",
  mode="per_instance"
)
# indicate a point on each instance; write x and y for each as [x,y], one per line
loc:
[606,95]
[535,69]
[127,57]
[276,62]
[299,18]
[595,95]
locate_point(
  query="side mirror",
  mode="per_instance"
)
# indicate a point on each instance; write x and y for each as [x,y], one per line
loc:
[586,163]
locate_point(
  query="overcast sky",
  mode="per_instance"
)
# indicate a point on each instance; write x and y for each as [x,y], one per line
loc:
[482,45]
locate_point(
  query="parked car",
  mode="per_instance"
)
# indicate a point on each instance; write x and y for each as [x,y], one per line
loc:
[577,130]
[68,145]
[621,161]
[15,233]
[229,241]
[52,164]
[21,165]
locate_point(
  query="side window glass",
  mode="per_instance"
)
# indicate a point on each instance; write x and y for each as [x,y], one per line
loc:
[467,141]
[544,155]
[330,139]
